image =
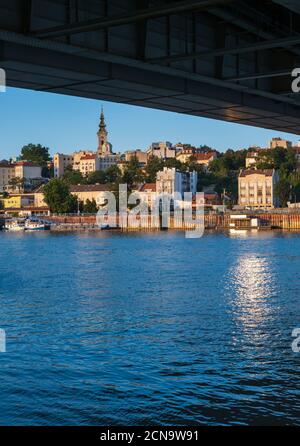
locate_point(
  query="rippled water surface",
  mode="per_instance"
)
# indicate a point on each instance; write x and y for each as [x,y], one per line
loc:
[149,329]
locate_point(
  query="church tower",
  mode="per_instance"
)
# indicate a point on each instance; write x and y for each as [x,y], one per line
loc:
[104,148]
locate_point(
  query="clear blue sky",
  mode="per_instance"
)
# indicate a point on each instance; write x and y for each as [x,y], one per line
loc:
[65,124]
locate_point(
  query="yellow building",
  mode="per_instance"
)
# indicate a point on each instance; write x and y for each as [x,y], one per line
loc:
[18,201]
[257,188]
[200,158]
[88,164]
[12,202]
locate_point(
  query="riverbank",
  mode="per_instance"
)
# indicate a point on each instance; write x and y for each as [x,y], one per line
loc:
[267,221]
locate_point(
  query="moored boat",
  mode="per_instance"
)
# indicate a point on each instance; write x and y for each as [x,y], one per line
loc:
[31,225]
[15,225]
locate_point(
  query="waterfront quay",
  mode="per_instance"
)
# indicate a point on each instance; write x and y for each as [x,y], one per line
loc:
[267,220]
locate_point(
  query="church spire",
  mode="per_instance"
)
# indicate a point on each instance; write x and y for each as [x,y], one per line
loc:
[102,125]
[104,147]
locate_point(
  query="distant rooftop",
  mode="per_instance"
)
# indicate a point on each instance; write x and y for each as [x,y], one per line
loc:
[265,172]
[91,188]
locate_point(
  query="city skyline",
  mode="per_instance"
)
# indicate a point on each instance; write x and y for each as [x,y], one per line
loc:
[66,124]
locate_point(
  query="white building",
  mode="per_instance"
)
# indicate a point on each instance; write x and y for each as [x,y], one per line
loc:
[26,171]
[147,194]
[61,162]
[106,161]
[171,181]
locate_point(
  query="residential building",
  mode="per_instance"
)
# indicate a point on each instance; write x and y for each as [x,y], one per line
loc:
[184,154]
[17,201]
[61,162]
[141,156]
[172,181]
[90,192]
[251,159]
[204,159]
[279,142]
[28,171]
[87,164]
[25,204]
[7,171]
[198,155]
[257,188]
[29,174]
[147,193]
[163,150]
[106,161]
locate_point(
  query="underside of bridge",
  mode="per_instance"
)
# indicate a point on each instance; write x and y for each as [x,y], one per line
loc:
[222,59]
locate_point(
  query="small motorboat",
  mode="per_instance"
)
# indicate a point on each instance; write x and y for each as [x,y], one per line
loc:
[35,225]
[15,225]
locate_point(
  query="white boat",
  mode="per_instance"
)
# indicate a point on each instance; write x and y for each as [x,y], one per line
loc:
[15,225]
[31,225]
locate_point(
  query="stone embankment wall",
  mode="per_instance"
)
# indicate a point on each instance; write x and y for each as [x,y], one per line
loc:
[212,221]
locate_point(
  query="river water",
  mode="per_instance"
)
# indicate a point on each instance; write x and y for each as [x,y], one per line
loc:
[140,329]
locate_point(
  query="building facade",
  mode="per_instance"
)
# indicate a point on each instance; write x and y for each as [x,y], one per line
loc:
[61,162]
[29,175]
[171,181]
[279,142]
[28,171]
[147,194]
[257,188]
[163,150]
[7,171]
[141,156]
[85,192]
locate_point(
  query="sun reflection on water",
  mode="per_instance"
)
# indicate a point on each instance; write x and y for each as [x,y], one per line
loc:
[252,288]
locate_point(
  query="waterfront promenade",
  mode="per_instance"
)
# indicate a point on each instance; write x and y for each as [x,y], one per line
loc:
[269,220]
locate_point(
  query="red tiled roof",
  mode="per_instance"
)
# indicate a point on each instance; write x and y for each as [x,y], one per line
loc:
[88,157]
[266,172]
[25,163]
[91,188]
[204,156]
[150,187]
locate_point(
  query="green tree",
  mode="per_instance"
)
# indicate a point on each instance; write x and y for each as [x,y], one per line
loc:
[90,207]
[153,166]
[112,174]
[36,154]
[173,162]
[73,177]
[132,173]
[96,177]
[283,191]
[57,196]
